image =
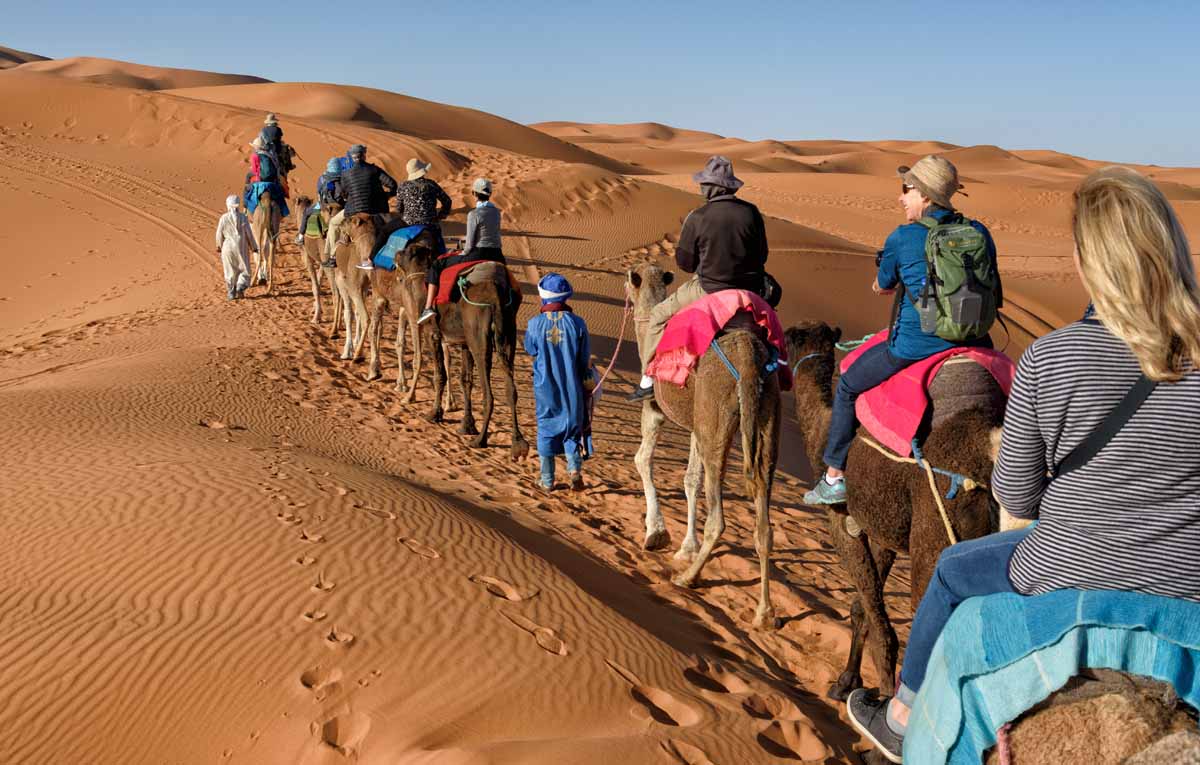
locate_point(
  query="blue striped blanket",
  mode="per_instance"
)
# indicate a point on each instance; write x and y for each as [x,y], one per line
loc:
[1001,654]
[386,257]
[257,189]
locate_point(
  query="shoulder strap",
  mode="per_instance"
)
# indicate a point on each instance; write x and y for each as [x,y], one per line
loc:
[929,222]
[1107,429]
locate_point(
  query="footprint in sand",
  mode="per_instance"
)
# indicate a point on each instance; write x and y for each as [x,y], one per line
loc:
[322,584]
[311,537]
[313,616]
[655,704]
[420,549]
[322,681]
[304,560]
[502,589]
[288,519]
[771,707]
[344,733]
[545,637]
[715,677]
[793,739]
[375,512]
[684,753]
[338,638]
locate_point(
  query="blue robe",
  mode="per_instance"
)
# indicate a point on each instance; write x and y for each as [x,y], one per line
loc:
[558,342]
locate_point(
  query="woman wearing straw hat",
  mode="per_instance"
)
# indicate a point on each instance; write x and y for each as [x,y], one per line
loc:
[925,192]
[420,201]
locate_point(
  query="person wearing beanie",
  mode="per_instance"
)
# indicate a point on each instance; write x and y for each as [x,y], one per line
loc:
[482,242]
[235,240]
[557,339]
[925,192]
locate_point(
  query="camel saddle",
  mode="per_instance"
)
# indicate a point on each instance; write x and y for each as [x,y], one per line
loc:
[911,403]
[475,272]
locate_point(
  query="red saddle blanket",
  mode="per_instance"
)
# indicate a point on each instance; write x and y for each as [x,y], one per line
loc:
[449,278]
[893,411]
[690,333]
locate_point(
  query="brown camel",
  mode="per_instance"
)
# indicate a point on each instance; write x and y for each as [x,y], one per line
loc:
[311,250]
[351,283]
[265,225]
[482,322]
[712,406]
[891,507]
[404,291]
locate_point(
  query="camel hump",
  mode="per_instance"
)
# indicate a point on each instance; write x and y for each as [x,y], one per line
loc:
[963,384]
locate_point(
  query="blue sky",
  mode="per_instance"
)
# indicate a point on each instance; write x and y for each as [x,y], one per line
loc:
[1103,79]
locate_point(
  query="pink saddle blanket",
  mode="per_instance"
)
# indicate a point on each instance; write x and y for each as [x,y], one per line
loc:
[892,412]
[690,333]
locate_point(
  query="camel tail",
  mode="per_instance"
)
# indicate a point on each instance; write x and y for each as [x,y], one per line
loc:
[749,389]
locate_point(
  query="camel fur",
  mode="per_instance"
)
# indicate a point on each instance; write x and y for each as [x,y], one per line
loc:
[265,225]
[889,504]
[713,406]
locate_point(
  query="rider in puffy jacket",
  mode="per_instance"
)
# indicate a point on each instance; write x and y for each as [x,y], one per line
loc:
[365,188]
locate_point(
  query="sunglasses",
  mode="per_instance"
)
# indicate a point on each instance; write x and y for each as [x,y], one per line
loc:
[905,188]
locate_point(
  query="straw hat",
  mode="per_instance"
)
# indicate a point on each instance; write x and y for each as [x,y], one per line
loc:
[257,143]
[417,169]
[933,176]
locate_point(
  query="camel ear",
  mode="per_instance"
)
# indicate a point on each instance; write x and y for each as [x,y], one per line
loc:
[635,279]
[837,334]
[668,277]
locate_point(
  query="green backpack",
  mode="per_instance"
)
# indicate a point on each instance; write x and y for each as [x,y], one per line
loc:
[962,291]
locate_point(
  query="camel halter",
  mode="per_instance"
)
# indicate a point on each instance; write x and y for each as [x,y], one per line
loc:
[802,359]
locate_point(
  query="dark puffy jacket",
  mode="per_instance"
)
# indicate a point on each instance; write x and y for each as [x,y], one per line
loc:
[272,136]
[366,189]
[725,244]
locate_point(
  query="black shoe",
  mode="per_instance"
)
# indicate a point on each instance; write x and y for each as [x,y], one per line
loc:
[330,263]
[868,714]
[641,394]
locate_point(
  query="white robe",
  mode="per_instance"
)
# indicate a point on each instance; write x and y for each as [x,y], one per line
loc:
[236,239]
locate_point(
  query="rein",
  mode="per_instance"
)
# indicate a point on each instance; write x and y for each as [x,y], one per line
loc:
[625,314]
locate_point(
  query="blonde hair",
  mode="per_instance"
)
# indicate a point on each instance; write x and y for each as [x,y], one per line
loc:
[1136,265]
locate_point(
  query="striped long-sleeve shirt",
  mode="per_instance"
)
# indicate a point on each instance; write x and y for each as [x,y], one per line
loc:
[1130,518]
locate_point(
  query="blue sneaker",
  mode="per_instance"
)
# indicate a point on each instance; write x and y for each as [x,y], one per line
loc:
[824,494]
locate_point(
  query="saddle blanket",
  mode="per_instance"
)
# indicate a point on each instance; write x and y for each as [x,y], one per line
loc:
[999,655]
[386,257]
[893,411]
[258,188]
[448,281]
[690,333]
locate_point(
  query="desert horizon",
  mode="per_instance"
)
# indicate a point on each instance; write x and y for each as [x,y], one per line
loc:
[227,545]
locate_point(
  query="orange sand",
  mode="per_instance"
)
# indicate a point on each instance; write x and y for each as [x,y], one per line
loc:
[225,546]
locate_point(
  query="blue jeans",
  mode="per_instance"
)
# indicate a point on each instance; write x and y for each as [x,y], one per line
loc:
[574,465]
[965,570]
[873,367]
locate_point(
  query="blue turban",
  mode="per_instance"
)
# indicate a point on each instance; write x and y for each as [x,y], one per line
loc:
[333,167]
[554,288]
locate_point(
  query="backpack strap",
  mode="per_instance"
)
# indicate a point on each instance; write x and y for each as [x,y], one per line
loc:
[1107,429]
[929,222]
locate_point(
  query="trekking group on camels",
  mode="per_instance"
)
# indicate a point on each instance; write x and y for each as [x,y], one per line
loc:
[1051,511]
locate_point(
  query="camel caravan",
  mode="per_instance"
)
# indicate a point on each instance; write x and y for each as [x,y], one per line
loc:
[1050,509]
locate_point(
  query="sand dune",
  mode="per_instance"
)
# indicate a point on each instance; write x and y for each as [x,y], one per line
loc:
[127,75]
[10,57]
[403,114]
[226,546]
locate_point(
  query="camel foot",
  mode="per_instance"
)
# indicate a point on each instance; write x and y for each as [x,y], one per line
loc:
[683,580]
[687,551]
[467,428]
[520,450]
[344,357]
[657,540]
[372,375]
[764,619]
[479,441]
[846,682]
[435,416]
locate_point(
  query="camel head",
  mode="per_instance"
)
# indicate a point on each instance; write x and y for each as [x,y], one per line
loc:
[303,202]
[810,347]
[361,232]
[417,255]
[647,284]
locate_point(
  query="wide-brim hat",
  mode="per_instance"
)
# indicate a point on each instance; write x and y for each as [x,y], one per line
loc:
[257,143]
[935,177]
[270,120]
[417,169]
[718,171]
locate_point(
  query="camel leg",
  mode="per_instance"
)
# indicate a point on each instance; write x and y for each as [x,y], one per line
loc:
[691,489]
[414,330]
[481,354]
[401,330]
[314,278]
[506,350]
[271,264]
[375,332]
[451,403]
[360,320]
[335,300]
[439,376]
[657,536]
[465,382]
[880,637]
[347,317]
[714,455]
[851,678]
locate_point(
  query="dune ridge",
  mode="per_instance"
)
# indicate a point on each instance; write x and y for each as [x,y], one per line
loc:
[125,74]
[11,57]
